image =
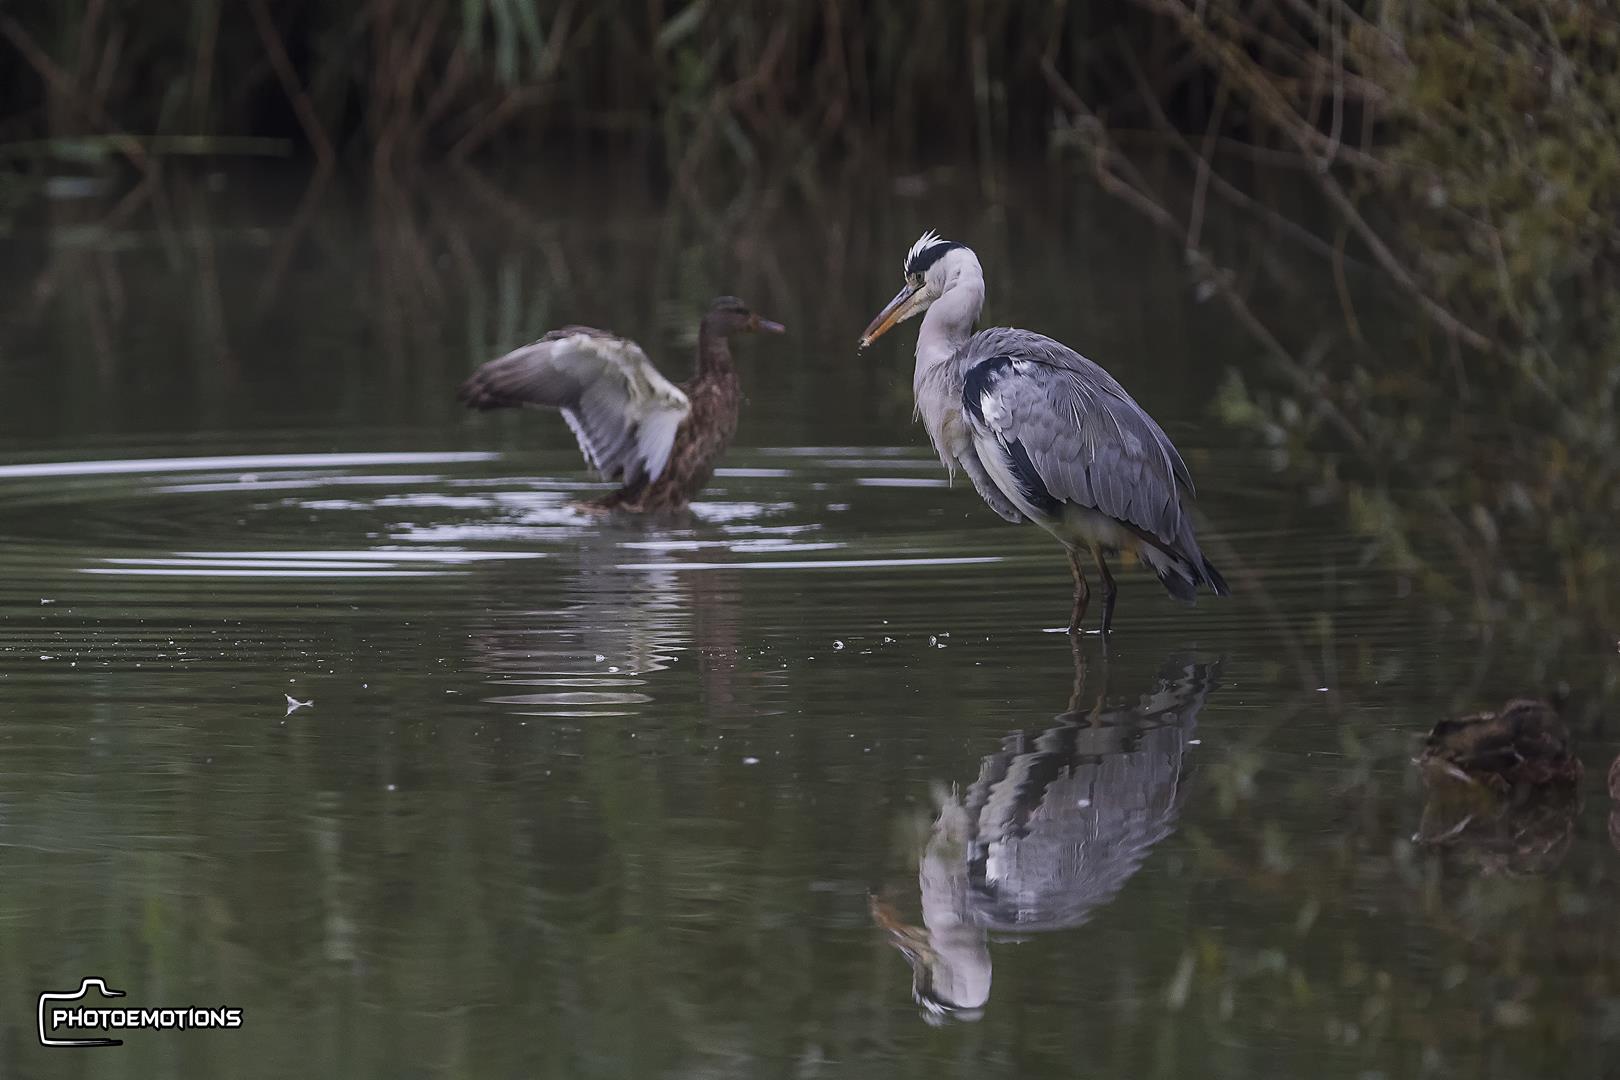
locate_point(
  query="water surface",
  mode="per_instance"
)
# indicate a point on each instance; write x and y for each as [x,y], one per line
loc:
[318,699]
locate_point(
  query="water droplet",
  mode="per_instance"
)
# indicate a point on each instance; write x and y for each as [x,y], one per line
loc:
[750,761]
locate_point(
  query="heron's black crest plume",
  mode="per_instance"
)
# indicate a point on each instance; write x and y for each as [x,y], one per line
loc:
[928,250]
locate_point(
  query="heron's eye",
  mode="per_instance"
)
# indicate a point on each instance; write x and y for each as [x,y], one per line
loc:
[914,280]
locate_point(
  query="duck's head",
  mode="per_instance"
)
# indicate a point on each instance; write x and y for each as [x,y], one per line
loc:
[729,315]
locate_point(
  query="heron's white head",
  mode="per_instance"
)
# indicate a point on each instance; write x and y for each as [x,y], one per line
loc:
[931,267]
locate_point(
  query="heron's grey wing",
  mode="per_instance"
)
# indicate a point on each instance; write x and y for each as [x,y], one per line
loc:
[621,410]
[1071,434]
[1094,380]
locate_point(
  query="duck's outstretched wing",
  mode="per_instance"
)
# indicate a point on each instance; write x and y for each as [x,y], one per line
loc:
[622,411]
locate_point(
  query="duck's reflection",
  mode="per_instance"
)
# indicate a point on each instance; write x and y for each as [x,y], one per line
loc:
[1524,831]
[587,641]
[1052,829]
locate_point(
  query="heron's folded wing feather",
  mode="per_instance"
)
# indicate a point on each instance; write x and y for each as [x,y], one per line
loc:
[623,413]
[1096,390]
[1086,440]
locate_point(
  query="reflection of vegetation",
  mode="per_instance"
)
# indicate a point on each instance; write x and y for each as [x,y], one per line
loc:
[380,313]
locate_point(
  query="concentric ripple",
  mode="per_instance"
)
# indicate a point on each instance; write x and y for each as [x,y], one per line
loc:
[237,561]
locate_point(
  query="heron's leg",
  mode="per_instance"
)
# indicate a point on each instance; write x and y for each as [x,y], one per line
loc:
[1082,591]
[1110,593]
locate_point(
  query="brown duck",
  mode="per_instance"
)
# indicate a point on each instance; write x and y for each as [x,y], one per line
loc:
[1523,743]
[660,441]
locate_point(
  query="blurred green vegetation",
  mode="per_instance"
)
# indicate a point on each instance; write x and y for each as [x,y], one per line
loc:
[394,82]
[1457,387]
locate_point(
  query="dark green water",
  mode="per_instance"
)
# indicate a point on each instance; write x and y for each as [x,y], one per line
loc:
[575,798]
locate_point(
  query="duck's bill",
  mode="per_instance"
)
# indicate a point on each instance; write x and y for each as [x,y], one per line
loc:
[766,326]
[906,303]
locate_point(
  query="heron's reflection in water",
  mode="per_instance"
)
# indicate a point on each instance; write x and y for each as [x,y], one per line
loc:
[1054,826]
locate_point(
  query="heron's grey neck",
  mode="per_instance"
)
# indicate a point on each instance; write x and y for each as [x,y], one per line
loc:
[937,382]
[948,323]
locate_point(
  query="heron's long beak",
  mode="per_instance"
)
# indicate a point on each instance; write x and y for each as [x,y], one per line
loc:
[765,326]
[906,303]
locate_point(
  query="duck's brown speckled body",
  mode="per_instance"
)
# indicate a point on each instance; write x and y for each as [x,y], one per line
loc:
[660,441]
[1523,743]
[703,438]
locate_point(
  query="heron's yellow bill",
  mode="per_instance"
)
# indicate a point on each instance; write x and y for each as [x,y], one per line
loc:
[906,303]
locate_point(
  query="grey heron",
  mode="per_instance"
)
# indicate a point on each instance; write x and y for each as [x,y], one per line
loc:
[659,440]
[1044,434]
